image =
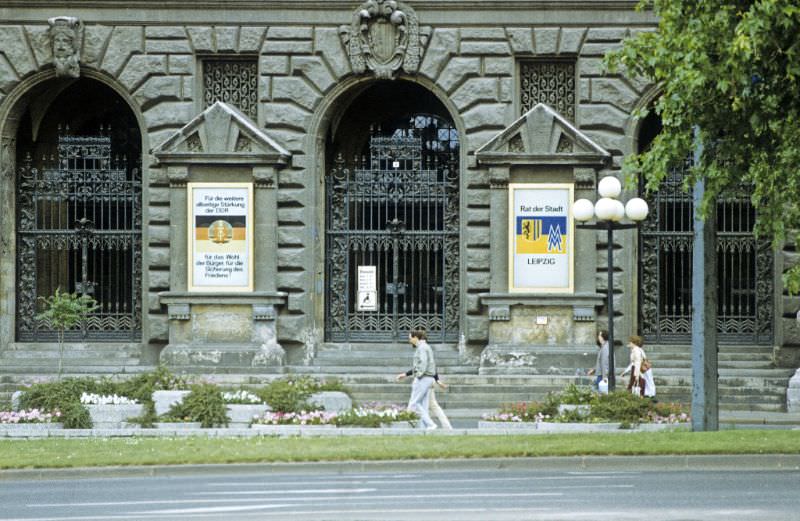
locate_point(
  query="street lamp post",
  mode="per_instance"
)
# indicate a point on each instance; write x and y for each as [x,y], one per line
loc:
[608,211]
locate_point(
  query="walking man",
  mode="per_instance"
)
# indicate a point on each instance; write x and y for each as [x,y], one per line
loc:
[424,369]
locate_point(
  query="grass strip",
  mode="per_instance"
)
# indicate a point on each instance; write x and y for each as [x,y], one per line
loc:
[98,452]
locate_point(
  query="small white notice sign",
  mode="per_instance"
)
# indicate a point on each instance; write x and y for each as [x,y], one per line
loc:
[367,294]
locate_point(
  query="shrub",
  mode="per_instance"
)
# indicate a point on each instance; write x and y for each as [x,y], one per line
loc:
[63,396]
[141,387]
[620,406]
[575,395]
[291,394]
[203,404]
[75,416]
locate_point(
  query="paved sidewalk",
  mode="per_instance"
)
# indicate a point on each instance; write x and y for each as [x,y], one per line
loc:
[759,419]
[746,462]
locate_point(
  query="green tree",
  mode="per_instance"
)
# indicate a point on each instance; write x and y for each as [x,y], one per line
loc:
[732,70]
[63,311]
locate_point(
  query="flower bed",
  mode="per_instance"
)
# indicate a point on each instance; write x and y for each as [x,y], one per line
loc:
[378,415]
[556,427]
[32,416]
[577,406]
[241,397]
[106,399]
[297,418]
[370,416]
[28,421]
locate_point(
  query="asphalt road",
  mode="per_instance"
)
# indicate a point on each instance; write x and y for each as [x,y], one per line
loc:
[465,492]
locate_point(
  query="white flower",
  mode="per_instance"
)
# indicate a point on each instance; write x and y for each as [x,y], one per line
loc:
[113,399]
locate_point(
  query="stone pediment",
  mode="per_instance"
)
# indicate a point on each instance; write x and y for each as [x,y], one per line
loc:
[221,134]
[542,137]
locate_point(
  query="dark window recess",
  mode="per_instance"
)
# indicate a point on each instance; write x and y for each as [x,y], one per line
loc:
[395,208]
[744,268]
[79,229]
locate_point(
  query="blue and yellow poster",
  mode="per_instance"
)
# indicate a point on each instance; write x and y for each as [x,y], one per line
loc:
[541,238]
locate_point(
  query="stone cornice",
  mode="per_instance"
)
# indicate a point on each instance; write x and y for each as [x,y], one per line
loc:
[542,299]
[317,12]
[479,5]
[256,297]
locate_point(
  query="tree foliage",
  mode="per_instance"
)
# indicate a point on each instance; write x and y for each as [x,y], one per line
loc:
[63,311]
[732,70]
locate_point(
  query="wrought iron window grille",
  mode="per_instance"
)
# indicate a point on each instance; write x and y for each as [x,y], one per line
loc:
[744,268]
[79,225]
[396,209]
[551,82]
[233,81]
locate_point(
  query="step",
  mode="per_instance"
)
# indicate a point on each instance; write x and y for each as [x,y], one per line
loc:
[72,370]
[74,346]
[723,371]
[73,355]
[728,357]
[723,348]
[353,361]
[722,364]
[379,369]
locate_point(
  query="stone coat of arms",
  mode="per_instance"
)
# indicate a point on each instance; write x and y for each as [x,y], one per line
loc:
[383,37]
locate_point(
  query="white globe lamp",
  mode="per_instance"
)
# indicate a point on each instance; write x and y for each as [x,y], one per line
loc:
[619,210]
[609,186]
[636,209]
[583,210]
[605,209]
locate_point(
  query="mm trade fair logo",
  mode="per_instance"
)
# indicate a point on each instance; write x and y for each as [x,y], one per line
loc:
[542,235]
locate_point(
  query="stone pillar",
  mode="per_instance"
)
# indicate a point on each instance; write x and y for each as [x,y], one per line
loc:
[218,330]
[266,222]
[178,177]
[540,331]
[498,179]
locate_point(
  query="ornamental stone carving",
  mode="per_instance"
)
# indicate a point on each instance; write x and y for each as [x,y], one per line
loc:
[383,38]
[66,35]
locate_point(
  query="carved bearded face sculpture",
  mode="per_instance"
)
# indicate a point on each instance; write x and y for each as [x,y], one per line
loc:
[64,37]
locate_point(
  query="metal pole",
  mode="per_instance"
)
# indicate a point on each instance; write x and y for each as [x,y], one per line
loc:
[610,305]
[705,397]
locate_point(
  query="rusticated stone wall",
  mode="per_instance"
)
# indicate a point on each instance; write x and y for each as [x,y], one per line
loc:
[473,67]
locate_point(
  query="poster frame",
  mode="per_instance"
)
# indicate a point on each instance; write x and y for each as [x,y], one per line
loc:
[569,188]
[191,286]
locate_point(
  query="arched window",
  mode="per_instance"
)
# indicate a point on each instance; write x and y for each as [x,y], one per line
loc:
[744,264]
[392,218]
[79,212]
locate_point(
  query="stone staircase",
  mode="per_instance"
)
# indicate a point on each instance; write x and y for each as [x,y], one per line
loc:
[23,364]
[748,379]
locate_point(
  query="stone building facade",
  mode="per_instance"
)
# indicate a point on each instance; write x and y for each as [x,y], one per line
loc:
[421,112]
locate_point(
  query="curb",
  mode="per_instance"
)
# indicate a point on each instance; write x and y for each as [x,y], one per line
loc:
[750,462]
